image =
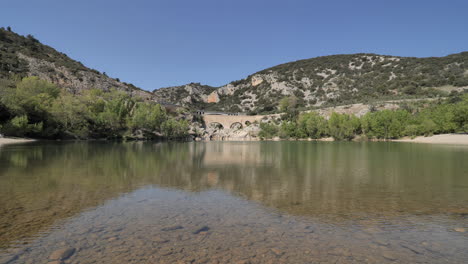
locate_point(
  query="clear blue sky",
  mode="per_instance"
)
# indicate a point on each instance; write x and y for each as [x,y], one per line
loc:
[153,44]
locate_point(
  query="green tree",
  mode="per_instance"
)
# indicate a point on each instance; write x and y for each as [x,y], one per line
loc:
[174,129]
[288,129]
[343,127]
[19,126]
[460,114]
[147,116]
[385,124]
[72,115]
[268,130]
[288,105]
[312,125]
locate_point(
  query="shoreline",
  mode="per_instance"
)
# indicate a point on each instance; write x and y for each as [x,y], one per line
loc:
[4,141]
[449,139]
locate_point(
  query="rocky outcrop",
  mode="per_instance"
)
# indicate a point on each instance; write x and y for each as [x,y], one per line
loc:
[248,133]
[79,80]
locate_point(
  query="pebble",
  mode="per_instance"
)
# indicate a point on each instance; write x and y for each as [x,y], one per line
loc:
[160,240]
[62,254]
[389,256]
[459,229]
[381,242]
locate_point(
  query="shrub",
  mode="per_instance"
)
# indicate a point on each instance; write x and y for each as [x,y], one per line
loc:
[268,130]
[19,126]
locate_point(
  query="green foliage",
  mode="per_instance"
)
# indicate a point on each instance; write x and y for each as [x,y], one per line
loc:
[288,106]
[312,125]
[31,95]
[116,107]
[173,129]
[435,118]
[36,108]
[343,127]
[72,115]
[460,114]
[147,116]
[268,130]
[288,103]
[427,127]
[288,129]
[385,124]
[20,126]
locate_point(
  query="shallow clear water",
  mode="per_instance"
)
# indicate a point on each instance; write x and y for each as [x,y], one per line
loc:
[233,202]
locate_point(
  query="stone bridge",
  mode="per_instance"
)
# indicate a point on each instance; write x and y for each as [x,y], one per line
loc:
[229,121]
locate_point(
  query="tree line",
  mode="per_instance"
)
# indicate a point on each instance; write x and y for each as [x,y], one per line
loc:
[449,116]
[35,108]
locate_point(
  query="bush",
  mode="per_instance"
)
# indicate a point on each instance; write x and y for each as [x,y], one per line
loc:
[268,131]
[19,126]
[385,124]
[343,127]
[312,125]
[173,129]
[36,108]
[288,129]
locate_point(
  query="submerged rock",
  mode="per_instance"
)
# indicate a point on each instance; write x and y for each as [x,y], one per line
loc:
[172,228]
[202,229]
[62,254]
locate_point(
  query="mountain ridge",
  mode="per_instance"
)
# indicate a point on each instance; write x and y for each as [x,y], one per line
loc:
[316,82]
[23,56]
[328,80]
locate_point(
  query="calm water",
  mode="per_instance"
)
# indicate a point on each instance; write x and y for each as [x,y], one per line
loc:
[217,202]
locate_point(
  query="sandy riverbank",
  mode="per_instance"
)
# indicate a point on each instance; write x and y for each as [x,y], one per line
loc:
[455,139]
[14,140]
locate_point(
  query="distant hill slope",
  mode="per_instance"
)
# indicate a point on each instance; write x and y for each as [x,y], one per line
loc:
[26,56]
[329,80]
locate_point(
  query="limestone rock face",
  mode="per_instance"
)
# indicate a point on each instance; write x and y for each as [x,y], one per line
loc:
[256,80]
[78,81]
[213,97]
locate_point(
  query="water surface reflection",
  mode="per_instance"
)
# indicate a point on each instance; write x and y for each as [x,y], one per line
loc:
[291,202]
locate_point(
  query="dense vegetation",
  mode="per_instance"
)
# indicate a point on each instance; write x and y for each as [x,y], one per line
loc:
[443,116]
[36,108]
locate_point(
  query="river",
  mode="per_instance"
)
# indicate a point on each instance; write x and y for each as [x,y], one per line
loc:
[233,202]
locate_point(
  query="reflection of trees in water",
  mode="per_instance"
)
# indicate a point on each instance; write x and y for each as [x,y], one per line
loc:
[352,178]
[41,183]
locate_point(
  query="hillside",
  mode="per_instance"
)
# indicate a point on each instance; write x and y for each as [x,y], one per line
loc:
[26,56]
[327,81]
[45,94]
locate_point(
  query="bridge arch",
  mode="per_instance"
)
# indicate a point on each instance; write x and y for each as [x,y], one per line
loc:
[229,121]
[216,125]
[236,125]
